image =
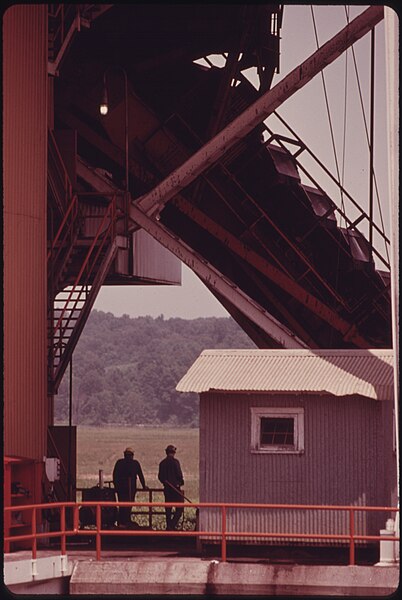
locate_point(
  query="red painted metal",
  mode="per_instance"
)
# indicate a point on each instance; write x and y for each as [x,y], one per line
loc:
[223,534]
[24,134]
[98,530]
[63,528]
[33,528]
[352,541]
[277,276]
[109,213]
[191,211]
[72,209]
[58,177]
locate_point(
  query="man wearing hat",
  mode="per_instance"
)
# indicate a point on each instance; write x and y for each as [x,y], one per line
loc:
[171,476]
[125,473]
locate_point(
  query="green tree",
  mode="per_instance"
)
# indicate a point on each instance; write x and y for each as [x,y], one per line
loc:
[125,370]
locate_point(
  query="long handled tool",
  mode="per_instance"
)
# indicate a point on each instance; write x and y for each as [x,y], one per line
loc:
[178,491]
[183,496]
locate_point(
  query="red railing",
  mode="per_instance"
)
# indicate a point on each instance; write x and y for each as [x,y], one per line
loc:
[76,292]
[351,536]
[65,231]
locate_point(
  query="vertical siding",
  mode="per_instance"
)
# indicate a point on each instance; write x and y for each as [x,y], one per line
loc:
[24,223]
[152,261]
[343,463]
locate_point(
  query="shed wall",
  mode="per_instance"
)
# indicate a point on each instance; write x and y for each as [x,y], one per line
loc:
[24,226]
[348,460]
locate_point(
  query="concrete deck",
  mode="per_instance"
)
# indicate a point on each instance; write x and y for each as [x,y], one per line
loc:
[166,572]
[212,578]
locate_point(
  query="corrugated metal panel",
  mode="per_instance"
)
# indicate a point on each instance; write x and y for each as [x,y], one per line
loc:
[25,170]
[340,372]
[152,261]
[93,216]
[348,460]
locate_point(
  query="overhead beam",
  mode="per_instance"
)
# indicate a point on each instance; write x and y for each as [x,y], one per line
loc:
[211,276]
[283,309]
[259,110]
[275,275]
[207,273]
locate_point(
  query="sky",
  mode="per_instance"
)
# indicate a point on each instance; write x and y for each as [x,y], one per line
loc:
[306,113]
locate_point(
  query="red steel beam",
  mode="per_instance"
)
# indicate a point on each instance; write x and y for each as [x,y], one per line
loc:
[207,273]
[277,276]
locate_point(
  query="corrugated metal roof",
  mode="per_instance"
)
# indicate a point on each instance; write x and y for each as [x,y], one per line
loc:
[368,373]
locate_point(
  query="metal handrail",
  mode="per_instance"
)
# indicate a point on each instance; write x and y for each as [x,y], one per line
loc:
[73,209]
[223,534]
[302,147]
[109,213]
[59,180]
[149,491]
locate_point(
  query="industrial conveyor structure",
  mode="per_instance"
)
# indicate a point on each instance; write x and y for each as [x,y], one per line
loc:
[282,257]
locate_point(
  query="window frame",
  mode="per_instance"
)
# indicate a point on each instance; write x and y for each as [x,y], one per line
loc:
[260,412]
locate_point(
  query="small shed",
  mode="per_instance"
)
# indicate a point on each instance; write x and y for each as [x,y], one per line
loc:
[309,427]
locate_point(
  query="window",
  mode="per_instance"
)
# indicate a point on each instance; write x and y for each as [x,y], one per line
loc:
[277,430]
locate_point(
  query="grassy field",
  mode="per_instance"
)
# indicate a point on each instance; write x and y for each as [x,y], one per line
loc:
[100,447]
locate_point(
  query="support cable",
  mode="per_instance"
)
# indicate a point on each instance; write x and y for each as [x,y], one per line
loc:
[345,101]
[371,169]
[367,134]
[70,425]
[327,107]
[337,270]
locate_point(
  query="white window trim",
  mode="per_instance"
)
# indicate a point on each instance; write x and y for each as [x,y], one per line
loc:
[257,412]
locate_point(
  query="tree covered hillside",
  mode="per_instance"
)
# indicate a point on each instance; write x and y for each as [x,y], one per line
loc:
[125,370]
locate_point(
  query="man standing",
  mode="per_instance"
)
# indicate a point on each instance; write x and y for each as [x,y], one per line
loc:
[125,473]
[171,476]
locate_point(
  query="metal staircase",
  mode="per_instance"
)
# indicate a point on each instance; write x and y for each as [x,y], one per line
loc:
[78,263]
[72,305]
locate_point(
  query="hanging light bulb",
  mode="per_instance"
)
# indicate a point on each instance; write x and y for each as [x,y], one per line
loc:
[104,105]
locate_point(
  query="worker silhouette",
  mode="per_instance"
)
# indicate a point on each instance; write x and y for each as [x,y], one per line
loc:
[125,473]
[171,476]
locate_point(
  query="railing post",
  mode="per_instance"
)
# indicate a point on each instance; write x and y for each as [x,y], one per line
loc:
[75,518]
[63,529]
[223,533]
[34,541]
[98,535]
[352,533]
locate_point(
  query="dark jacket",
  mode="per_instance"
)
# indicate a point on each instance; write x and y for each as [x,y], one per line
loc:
[170,470]
[125,473]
